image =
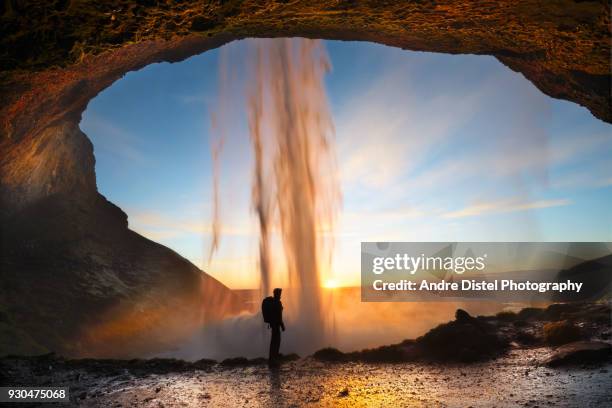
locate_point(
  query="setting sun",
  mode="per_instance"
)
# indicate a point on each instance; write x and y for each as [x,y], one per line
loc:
[330,284]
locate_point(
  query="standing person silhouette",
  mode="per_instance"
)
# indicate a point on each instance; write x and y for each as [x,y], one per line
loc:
[276,324]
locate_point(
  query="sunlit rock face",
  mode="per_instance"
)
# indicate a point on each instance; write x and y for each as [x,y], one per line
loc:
[58,160]
[562,46]
[74,278]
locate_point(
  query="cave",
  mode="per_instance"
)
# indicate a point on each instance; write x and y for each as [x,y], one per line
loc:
[65,247]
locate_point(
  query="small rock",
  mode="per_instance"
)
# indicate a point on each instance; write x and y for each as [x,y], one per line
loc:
[462,316]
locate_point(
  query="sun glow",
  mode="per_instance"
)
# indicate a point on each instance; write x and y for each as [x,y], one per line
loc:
[330,284]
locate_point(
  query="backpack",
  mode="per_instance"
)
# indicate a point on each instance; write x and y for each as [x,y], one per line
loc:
[267,309]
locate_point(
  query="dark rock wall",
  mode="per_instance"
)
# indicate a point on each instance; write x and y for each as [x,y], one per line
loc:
[74,278]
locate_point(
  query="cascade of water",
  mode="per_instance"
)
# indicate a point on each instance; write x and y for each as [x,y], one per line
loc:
[295,188]
[295,185]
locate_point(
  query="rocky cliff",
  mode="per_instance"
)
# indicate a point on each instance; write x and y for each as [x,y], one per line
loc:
[74,278]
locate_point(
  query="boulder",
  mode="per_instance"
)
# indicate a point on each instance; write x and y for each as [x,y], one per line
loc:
[466,340]
[580,352]
[558,333]
[462,316]
[330,354]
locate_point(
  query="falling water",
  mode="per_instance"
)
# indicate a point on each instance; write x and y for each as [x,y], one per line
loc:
[218,121]
[295,186]
[295,189]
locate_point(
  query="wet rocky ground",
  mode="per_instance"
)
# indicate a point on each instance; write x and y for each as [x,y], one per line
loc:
[559,356]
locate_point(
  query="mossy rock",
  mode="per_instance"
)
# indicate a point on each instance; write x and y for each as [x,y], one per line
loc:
[462,341]
[330,354]
[561,332]
[506,316]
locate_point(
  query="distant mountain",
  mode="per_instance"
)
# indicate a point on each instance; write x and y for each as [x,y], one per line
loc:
[596,275]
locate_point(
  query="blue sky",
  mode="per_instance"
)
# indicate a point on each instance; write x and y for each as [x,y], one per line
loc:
[430,147]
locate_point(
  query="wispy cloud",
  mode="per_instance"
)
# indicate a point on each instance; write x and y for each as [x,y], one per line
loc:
[114,139]
[504,206]
[583,179]
[157,225]
[203,99]
[382,133]
[488,170]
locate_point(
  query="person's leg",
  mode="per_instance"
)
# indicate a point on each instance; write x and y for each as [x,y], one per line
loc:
[274,345]
[277,343]
[271,351]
